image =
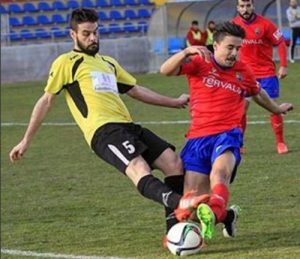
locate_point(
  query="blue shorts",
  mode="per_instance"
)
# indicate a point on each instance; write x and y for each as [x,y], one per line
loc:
[270,85]
[199,154]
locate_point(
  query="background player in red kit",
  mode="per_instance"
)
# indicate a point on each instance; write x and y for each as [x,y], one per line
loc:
[257,51]
[217,97]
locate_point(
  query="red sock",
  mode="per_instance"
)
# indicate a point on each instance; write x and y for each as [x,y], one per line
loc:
[218,201]
[244,123]
[277,126]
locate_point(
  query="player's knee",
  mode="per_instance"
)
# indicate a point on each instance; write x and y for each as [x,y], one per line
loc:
[136,169]
[169,163]
[138,164]
[173,165]
[220,175]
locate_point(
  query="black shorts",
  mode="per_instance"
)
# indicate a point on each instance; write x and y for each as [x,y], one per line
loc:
[119,143]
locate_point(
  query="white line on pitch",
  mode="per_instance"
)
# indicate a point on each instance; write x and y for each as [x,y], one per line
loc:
[11,124]
[52,255]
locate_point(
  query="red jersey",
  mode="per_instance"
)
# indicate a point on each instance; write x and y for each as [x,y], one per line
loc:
[217,95]
[257,47]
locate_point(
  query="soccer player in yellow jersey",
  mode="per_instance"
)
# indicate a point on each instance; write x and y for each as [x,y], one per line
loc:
[92,84]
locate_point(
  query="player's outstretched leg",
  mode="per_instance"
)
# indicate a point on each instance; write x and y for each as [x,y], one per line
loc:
[207,219]
[229,229]
[188,204]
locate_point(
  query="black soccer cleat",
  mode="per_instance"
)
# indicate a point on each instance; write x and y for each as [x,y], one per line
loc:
[229,229]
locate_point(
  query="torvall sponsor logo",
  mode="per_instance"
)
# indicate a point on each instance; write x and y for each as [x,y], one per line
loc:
[214,82]
[252,41]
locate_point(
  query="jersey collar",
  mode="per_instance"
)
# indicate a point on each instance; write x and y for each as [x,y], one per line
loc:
[248,22]
[82,52]
[216,64]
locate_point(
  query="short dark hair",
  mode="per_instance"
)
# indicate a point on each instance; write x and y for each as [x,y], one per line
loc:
[237,1]
[195,22]
[228,29]
[82,15]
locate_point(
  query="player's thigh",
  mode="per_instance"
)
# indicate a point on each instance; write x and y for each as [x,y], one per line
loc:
[118,144]
[196,181]
[222,168]
[169,163]
[159,151]
[137,169]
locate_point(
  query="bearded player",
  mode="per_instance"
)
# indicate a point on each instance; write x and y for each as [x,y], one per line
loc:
[257,51]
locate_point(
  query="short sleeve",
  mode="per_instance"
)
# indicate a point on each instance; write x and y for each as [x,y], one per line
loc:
[190,66]
[58,76]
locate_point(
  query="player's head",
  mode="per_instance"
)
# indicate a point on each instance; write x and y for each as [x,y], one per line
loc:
[195,24]
[84,30]
[228,39]
[245,8]
[293,3]
[211,25]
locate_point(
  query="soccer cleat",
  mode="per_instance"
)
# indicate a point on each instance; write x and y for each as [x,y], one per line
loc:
[188,203]
[207,219]
[282,148]
[292,61]
[229,229]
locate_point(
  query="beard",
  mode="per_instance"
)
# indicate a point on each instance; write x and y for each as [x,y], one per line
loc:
[246,16]
[231,59]
[91,49]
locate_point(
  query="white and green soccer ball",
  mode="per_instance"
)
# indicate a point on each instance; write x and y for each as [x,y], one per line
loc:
[185,238]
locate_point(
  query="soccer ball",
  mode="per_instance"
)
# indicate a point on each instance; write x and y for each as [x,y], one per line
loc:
[184,238]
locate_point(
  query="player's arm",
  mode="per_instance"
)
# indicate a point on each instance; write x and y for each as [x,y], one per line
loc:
[282,52]
[263,99]
[127,84]
[148,96]
[40,110]
[172,65]
[277,39]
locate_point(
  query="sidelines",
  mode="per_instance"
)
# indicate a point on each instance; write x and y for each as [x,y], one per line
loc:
[12,124]
[52,255]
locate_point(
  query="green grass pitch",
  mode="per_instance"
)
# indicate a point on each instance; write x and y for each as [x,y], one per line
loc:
[62,199]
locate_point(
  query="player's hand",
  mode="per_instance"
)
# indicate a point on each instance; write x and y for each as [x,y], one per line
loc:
[286,107]
[183,101]
[282,72]
[18,151]
[200,50]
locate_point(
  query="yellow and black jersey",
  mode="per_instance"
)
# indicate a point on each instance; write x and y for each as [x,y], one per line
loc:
[92,85]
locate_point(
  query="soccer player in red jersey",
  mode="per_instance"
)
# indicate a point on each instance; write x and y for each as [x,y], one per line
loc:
[218,86]
[257,51]
[92,84]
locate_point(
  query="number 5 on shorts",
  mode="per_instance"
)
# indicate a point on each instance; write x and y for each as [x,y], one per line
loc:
[130,148]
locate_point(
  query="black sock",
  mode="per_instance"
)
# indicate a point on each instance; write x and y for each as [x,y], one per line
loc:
[152,188]
[175,182]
